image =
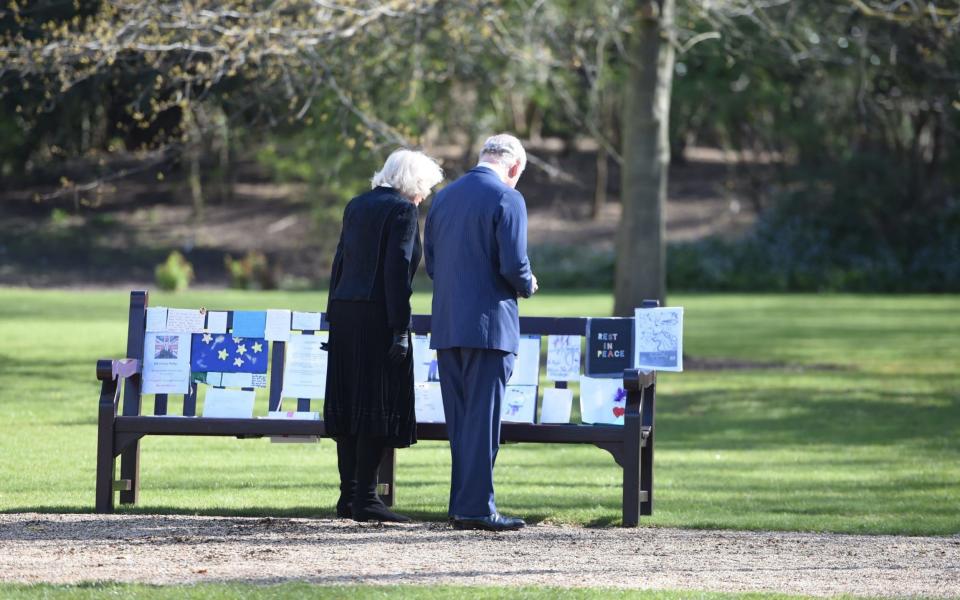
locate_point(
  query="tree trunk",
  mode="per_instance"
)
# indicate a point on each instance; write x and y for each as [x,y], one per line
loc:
[600,191]
[641,239]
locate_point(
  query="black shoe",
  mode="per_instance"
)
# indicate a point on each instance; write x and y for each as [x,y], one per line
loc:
[377,511]
[495,522]
[344,509]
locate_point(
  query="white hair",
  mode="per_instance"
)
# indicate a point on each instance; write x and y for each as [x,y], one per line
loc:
[503,149]
[410,172]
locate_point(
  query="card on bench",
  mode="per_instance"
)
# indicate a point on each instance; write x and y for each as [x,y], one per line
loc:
[222,403]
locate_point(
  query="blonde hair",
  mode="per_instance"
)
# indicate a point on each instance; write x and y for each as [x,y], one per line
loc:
[410,172]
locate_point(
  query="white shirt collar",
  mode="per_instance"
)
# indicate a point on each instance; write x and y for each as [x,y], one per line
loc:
[499,170]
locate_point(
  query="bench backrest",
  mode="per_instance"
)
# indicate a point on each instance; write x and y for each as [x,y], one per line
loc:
[132,397]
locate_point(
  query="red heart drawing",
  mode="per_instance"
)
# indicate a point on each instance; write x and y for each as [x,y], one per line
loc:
[618,411]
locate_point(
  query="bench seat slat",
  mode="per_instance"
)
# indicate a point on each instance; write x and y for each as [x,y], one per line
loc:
[511,432]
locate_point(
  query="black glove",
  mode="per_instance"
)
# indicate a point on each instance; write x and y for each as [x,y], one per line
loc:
[400,348]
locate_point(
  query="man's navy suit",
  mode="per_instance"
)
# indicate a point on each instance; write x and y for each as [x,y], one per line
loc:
[475,245]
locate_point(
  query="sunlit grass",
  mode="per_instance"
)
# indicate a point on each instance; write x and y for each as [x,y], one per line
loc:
[854,428]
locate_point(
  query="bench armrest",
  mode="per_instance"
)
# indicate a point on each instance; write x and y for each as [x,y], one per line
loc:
[110,373]
[109,370]
[635,380]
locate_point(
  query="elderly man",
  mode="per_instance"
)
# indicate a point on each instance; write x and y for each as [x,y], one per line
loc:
[475,244]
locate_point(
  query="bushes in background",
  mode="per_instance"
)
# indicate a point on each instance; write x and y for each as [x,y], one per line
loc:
[174,274]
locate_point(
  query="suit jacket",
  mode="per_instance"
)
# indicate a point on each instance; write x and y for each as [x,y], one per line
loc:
[475,243]
[378,254]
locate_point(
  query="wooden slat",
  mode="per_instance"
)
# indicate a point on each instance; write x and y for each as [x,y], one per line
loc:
[276,374]
[511,432]
[190,401]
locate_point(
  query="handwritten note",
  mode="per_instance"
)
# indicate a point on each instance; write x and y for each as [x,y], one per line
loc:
[305,367]
[428,403]
[185,320]
[563,357]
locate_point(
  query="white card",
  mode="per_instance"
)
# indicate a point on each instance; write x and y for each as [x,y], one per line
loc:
[563,357]
[228,404]
[428,403]
[185,320]
[526,367]
[305,367]
[556,405]
[156,318]
[243,380]
[278,326]
[306,321]
[658,339]
[519,404]
[214,378]
[602,400]
[217,322]
[166,363]
[425,366]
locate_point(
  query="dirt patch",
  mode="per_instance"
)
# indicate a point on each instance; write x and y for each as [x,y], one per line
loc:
[186,549]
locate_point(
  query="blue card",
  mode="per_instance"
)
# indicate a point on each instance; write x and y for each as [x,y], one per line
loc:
[249,323]
[224,353]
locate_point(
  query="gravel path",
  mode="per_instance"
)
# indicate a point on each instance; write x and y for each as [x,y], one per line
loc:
[183,549]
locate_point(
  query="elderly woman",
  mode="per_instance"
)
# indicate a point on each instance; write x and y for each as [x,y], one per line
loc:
[369,403]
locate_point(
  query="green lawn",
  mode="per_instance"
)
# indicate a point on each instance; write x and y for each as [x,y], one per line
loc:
[857,433]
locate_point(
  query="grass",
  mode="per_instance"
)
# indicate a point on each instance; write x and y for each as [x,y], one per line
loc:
[867,445]
[304,590]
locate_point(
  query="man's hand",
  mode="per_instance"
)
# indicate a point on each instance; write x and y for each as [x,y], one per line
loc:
[400,348]
[535,286]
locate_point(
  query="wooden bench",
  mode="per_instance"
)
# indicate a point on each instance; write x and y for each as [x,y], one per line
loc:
[120,430]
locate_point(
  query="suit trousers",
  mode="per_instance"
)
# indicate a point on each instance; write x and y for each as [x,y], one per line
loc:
[472,381]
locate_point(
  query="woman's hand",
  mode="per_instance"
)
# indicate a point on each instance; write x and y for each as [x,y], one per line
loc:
[401,346]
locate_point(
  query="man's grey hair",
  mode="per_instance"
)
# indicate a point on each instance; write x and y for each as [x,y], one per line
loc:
[503,149]
[410,172]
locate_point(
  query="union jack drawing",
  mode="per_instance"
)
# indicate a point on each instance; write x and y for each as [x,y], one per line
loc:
[167,346]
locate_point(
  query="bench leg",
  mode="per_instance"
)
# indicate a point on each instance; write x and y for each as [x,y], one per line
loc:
[387,478]
[631,471]
[130,471]
[646,477]
[106,464]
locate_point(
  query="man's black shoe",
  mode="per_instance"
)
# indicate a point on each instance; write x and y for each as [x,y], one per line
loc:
[495,522]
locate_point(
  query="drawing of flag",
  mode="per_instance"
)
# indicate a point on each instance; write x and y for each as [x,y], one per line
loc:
[223,353]
[166,347]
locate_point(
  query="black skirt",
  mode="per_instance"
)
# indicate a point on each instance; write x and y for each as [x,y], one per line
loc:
[367,394]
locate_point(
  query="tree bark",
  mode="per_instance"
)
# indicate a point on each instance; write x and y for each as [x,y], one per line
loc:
[641,239]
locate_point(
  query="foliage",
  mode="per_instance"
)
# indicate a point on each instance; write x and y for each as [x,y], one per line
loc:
[572,267]
[251,272]
[810,242]
[767,447]
[174,274]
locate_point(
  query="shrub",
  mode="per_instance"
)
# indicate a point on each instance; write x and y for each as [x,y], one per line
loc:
[174,274]
[250,272]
